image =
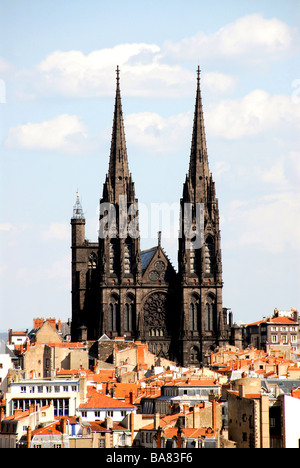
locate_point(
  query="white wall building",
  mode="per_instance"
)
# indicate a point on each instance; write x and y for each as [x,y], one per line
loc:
[291,418]
[64,392]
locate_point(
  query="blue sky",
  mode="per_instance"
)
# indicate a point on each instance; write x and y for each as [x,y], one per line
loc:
[57,72]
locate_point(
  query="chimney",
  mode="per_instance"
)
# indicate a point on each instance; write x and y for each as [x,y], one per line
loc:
[132,426]
[2,413]
[214,414]
[241,391]
[37,323]
[52,322]
[28,436]
[63,425]
[179,433]
[158,437]
[108,422]
[156,420]
[32,408]
[82,388]
[18,412]
[196,416]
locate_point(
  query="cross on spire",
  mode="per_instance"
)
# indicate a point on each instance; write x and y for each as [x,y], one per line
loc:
[118,75]
[198,74]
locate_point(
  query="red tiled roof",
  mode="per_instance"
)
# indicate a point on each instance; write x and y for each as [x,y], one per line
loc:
[51,429]
[190,433]
[283,319]
[194,383]
[99,400]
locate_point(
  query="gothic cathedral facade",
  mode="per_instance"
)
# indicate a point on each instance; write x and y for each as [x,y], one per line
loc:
[120,290]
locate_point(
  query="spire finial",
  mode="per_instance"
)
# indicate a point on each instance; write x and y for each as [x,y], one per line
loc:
[198,74]
[118,75]
[77,208]
[159,238]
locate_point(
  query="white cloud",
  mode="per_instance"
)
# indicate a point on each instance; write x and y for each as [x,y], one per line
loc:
[57,231]
[274,175]
[253,114]
[144,73]
[218,82]
[62,133]
[6,227]
[269,223]
[73,73]
[157,133]
[6,68]
[58,270]
[251,37]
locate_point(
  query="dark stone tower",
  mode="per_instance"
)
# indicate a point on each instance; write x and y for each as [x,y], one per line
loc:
[203,323]
[119,240]
[119,290]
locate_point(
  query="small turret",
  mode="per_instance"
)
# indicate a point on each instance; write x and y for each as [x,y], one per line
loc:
[78,223]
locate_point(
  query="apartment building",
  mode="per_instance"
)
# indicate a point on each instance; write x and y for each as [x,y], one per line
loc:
[281,328]
[65,393]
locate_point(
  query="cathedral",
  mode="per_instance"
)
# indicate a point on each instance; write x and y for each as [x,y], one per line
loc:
[120,290]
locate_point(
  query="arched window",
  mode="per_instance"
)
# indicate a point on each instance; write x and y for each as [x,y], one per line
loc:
[127,257]
[209,254]
[194,319]
[194,354]
[114,315]
[210,314]
[112,258]
[92,264]
[192,258]
[129,314]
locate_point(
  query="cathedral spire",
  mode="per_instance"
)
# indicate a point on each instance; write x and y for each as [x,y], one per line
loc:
[198,168]
[118,173]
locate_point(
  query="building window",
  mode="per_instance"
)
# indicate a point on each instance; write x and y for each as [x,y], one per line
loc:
[112,258]
[92,264]
[114,315]
[210,314]
[129,314]
[194,354]
[192,258]
[127,258]
[284,338]
[208,255]
[274,339]
[194,318]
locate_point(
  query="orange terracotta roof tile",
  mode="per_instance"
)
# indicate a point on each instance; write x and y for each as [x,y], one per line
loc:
[99,400]
[190,433]
[194,383]
[51,429]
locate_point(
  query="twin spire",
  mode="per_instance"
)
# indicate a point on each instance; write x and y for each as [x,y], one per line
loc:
[119,181]
[198,177]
